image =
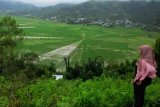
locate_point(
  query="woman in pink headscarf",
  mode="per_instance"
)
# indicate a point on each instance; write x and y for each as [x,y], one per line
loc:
[145,72]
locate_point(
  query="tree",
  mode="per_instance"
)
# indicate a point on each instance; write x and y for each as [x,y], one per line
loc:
[8,38]
[9,27]
[8,33]
[157,51]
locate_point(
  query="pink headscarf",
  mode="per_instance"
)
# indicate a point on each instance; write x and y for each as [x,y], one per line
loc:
[146,66]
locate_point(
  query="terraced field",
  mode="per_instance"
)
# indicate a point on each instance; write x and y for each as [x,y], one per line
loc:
[117,44]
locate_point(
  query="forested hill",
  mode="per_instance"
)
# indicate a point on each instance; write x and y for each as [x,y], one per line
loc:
[147,12]
[14,6]
[60,6]
[137,11]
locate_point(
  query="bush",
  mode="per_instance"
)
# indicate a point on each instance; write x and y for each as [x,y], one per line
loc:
[153,94]
[157,52]
[104,92]
[51,67]
[45,93]
[3,101]
[94,67]
[33,69]
[98,92]
[122,70]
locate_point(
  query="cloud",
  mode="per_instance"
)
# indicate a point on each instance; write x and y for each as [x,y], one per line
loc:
[49,2]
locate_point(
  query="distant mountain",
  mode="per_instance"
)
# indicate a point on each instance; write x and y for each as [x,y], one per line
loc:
[137,11]
[47,12]
[14,6]
[43,12]
[60,6]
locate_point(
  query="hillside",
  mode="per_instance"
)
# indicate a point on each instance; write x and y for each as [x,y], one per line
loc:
[136,11]
[146,12]
[14,6]
[60,6]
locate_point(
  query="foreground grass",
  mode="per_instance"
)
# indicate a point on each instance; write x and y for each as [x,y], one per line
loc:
[98,92]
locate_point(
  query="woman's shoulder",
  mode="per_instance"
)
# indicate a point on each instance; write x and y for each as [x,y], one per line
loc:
[142,62]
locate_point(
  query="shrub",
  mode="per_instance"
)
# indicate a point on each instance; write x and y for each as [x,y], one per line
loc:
[33,69]
[153,94]
[94,67]
[51,67]
[100,92]
[3,101]
[120,70]
[157,52]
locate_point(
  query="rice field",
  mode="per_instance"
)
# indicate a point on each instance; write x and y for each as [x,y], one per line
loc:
[117,44]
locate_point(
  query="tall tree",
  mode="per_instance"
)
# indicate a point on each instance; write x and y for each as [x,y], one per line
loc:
[8,38]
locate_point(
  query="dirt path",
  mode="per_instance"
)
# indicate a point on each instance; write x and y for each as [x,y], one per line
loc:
[59,54]
[62,52]
[26,27]
[39,37]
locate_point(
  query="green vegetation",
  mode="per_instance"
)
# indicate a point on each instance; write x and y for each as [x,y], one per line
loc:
[117,43]
[8,30]
[89,69]
[26,83]
[101,92]
[157,52]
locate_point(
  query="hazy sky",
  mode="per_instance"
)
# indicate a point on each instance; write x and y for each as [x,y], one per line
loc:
[48,2]
[54,2]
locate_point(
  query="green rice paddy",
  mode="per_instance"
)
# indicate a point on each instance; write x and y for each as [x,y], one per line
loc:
[117,43]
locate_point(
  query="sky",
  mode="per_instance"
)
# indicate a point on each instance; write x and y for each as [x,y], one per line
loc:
[48,2]
[54,2]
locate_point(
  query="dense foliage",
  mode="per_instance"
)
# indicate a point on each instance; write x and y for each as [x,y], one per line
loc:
[101,92]
[8,31]
[25,83]
[122,70]
[11,61]
[89,69]
[157,52]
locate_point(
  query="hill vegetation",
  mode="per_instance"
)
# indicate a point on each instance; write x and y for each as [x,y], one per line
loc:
[137,13]
[131,13]
[7,6]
